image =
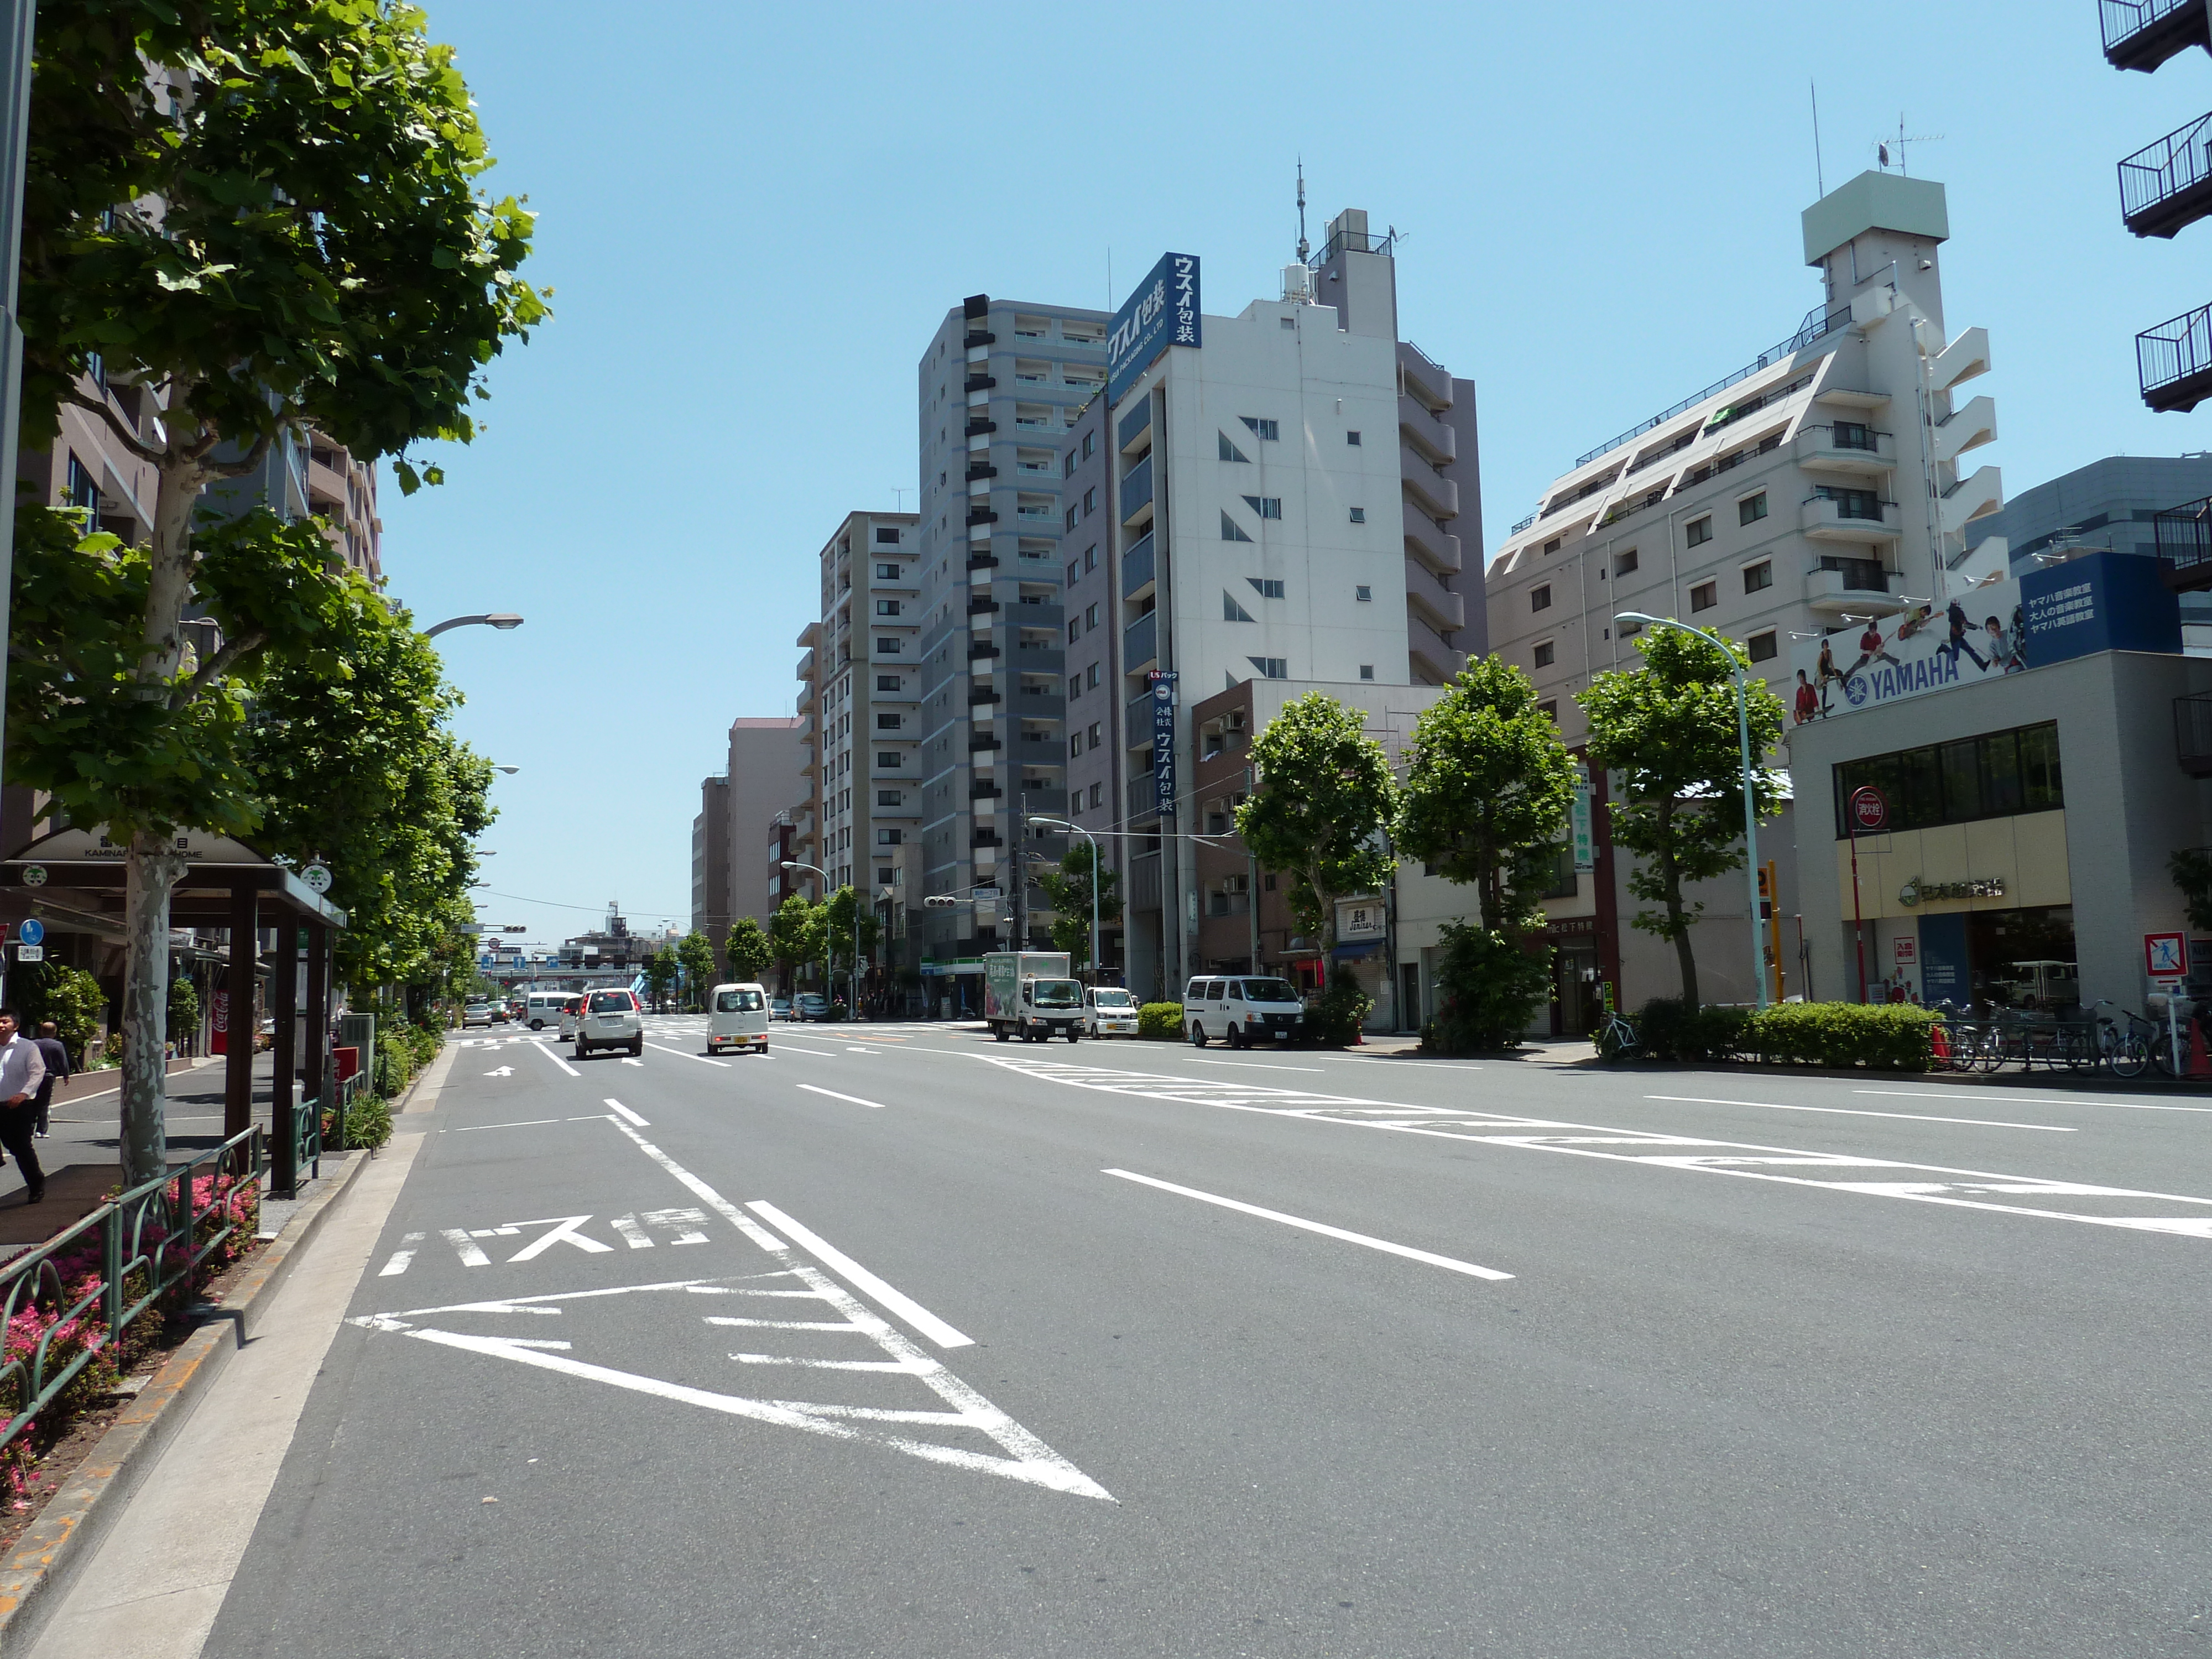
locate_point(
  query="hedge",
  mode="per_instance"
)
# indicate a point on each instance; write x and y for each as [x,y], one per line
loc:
[1160,1021]
[1885,1036]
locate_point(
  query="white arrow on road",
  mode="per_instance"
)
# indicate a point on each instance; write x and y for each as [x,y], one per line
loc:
[627,1060]
[504,1071]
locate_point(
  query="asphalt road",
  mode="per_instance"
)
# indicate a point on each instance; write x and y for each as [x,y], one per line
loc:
[901,1342]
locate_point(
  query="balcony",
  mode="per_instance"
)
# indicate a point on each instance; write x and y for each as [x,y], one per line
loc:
[1436,494]
[1141,795]
[1443,609]
[979,383]
[981,605]
[2173,362]
[1430,541]
[979,337]
[1137,722]
[977,429]
[984,790]
[2192,733]
[1134,425]
[1857,587]
[1425,378]
[1972,497]
[1847,448]
[1851,519]
[981,741]
[1140,646]
[1429,652]
[1137,491]
[1431,437]
[982,562]
[979,699]
[2141,34]
[1137,569]
[2184,545]
[981,515]
[2168,185]
[980,650]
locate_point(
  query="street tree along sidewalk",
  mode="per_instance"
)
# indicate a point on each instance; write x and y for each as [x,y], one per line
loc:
[1324,798]
[695,955]
[1067,889]
[796,931]
[1669,729]
[286,232]
[748,950]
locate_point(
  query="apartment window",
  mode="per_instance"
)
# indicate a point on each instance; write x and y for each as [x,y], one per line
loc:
[1267,506]
[1270,668]
[889,838]
[1092,736]
[1545,652]
[1360,515]
[1704,596]
[1288,322]
[1233,613]
[1757,577]
[1367,670]
[1091,616]
[1851,503]
[888,683]
[887,722]
[1073,571]
[1352,438]
[888,797]
[1553,546]
[1550,711]
[1090,559]
[1700,530]
[1539,599]
[1267,586]
[887,607]
[1265,429]
[888,645]
[887,537]
[1075,630]
[1090,501]
[1230,451]
[887,572]
[1067,466]
[889,760]
[1071,517]
[1752,508]
[1761,647]
[1363,595]
[1623,563]
[1097,794]
[1091,682]
[1075,745]
[1090,443]
[1231,529]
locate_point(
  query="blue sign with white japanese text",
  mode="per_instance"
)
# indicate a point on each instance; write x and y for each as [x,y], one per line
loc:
[1163,732]
[1162,313]
[2099,602]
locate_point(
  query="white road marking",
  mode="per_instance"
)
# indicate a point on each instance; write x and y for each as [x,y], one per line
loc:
[627,1060]
[546,1049]
[722,1206]
[628,1116]
[1852,1111]
[503,1070]
[1250,1065]
[825,1054]
[862,1280]
[1327,1231]
[401,1258]
[520,1123]
[833,1094]
[471,1253]
[564,1232]
[686,1053]
[1427,1065]
[2054,1098]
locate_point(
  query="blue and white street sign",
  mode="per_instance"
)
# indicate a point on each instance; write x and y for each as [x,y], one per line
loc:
[33,932]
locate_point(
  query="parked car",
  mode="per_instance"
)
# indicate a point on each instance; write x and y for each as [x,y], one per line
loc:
[811,1005]
[611,1020]
[778,1008]
[1242,1012]
[1109,1010]
[476,1013]
[737,1018]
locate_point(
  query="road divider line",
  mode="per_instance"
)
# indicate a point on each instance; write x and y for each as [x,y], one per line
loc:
[1852,1111]
[523,1123]
[2029,1100]
[546,1049]
[721,1206]
[862,1280]
[686,1053]
[627,1115]
[1327,1231]
[1252,1065]
[833,1094]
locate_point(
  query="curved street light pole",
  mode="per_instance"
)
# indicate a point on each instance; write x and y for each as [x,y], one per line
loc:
[854,1007]
[1750,811]
[501,620]
[1064,824]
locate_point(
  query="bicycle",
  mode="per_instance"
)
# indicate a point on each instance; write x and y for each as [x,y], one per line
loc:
[1616,1039]
[2127,1054]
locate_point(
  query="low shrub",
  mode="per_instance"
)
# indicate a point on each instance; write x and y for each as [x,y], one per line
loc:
[1488,991]
[369,1123]
[1335,1017]
[1160,1021]
[1885,1036]
[1670,1030]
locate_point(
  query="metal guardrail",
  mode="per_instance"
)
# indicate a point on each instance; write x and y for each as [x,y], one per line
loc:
[150,1240]
[2174,351]
[2183,533]
[2118,20]
[2158,172]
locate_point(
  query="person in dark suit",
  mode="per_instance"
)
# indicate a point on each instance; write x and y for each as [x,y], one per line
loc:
[56,1054]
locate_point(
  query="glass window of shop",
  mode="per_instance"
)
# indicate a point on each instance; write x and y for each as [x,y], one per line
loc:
[1994,775]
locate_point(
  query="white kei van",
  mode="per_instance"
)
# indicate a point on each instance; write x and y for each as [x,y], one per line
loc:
[737,1018]
[543,1008]
[572,1010]
[1242,1010]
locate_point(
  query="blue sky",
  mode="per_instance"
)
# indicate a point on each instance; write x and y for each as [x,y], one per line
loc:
[754,217]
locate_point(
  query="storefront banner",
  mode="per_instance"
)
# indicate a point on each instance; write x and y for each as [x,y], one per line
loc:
[1944,975]
[1579,824]
[2101,601]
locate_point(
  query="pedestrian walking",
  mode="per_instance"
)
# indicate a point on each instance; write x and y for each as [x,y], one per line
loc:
[22,1069]
[55,1052]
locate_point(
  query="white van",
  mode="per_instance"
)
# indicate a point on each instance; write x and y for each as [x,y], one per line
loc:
[543,1008]
[1242,1010]
[737,1018]
[1109,1011]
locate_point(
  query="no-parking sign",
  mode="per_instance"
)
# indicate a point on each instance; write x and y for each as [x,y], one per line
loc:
[2165,956]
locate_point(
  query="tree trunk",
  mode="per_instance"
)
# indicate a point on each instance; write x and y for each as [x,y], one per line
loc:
[1677,929]
[152,870]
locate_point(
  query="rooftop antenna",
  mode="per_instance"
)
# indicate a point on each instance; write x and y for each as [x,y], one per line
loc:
[1304,247]
[1902,139]
[1819,172]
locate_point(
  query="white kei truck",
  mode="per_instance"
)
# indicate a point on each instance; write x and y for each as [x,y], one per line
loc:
[1032,994]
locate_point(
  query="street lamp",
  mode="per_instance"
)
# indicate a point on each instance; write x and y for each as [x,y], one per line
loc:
[1750,811]
[794,864]
[1063,824]
[509,770]
[501,620]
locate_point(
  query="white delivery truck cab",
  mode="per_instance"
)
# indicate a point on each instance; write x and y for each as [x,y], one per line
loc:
[737,1018]
[1032,994]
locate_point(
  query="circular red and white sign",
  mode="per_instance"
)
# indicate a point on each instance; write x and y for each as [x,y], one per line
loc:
[1870,809]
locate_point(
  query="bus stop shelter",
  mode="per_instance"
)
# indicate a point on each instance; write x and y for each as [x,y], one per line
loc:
[78,872]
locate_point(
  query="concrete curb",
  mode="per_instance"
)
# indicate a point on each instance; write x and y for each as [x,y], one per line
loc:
[64,1535]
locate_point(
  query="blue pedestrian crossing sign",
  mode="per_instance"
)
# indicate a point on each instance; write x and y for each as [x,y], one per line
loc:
[33,932]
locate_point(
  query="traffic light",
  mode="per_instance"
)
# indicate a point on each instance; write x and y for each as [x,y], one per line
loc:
[1766,891]
[940,901]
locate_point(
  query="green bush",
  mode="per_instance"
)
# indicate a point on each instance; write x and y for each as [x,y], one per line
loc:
[1671,1031]
[1488,990]
[1160,1021]
[1333,1018]
[1887,1036]
[368,1121]
[184,1010]
[68,996]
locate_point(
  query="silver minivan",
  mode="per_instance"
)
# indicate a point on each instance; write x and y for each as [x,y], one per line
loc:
[544,1009]
[737,1018]
[1242,1010]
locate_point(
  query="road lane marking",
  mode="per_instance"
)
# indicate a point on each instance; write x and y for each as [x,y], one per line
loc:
[862,1280]
[1324,1229]
[629,1116]
[546,1049]
[721,1206]
[687,1054]
[1251,1064]
[520,1123]
[833,1094]
[1853,1111]
[2029,1100]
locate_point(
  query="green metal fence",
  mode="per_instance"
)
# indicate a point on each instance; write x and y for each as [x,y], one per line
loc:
[149,1240]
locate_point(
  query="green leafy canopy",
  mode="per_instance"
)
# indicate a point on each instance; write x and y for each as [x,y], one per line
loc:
[1325,798]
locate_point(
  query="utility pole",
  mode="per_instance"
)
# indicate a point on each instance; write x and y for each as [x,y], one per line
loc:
[18,25]
[1020,862]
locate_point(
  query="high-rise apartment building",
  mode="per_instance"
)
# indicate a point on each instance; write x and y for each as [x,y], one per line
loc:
[765,758]
[1821,490]
[713,896]
[998,389]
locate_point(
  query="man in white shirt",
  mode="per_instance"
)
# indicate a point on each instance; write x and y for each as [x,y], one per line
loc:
[22,1069]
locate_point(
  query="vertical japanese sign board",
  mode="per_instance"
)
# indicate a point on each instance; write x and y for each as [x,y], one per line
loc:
[1578,823]
[1162,313]
[1164,733]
